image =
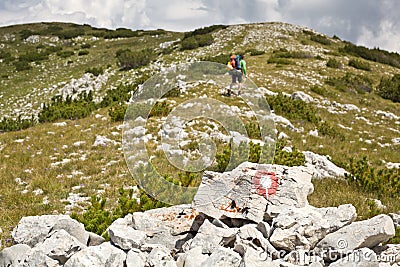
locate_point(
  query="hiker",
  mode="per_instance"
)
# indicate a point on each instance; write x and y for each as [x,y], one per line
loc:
[237,67]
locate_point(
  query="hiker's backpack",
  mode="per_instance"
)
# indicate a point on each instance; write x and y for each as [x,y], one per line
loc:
[237,62]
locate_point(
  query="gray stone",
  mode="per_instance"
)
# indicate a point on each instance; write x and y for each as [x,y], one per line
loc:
[396,219]
[36,258]
[192,258]
[13,255]
[95,240]
[60,246]
[255,258]
[73,227]
[168,226]
[102,255]
[321,167]
[160,256]
[210,237]
[32,230]
[135,258]
[299,95]
[303,228]
[388,253]
[364,257]
[368,233]
[265,229]
[249,235]
[223,257]
[124,236]
[239,194]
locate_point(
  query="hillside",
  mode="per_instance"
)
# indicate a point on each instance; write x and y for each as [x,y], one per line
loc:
[63,94]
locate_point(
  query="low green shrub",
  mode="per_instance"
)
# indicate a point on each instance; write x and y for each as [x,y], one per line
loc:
[83,52]
[160,109]
[279,61]
[325,129]
[65,53]
[117,112]
[320,39]
[222,59]
[283,157]
[95,71]
[319,90]
[9,124]
[97,218]
[380,181]
[359,64]
[389,88]
[350,81]
[334,63]
[22,65]
[86,46]
[195,41]
[128,59]
[69,108]
[292,109]
[375,54]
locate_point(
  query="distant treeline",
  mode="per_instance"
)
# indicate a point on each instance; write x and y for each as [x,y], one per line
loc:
[375,54]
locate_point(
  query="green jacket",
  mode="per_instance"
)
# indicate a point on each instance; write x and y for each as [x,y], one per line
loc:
[243,66]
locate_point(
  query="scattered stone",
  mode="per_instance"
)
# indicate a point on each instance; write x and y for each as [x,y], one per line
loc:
[125,236]
[321,167]
[367,233]
[223,257]
[37,258]
[102,255]
[302,96]
[11,256]
[193,258]
[60,246]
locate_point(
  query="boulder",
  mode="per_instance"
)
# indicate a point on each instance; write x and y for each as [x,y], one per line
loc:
[73,227]
[135,258]
[364,257]
[95,240]
[192,258]
[37,258]
[368,233]
[125,236]
[60,246]
[168,226]
[396,219]
[244,192]
[12,255]
[321,167]
[255,258]
[160,256]
[209,237]
[299,95]
[32,230]
[102,255]
[388,253]
[303,228]
[223,257]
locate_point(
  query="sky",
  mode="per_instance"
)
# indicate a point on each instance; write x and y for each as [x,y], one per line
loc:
[371,23]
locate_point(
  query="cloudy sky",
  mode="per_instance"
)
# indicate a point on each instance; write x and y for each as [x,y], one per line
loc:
[372,23]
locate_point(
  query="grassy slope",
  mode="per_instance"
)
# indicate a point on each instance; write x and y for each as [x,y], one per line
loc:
[103,168]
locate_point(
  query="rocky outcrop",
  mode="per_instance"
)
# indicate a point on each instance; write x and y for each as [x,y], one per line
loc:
[255,215]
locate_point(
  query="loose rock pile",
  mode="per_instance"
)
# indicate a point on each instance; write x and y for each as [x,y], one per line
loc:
[255,215]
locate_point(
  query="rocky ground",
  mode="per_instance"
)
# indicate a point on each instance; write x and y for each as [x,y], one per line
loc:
[254,215]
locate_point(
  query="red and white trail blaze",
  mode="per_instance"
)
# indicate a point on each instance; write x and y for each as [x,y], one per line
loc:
[266,183]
